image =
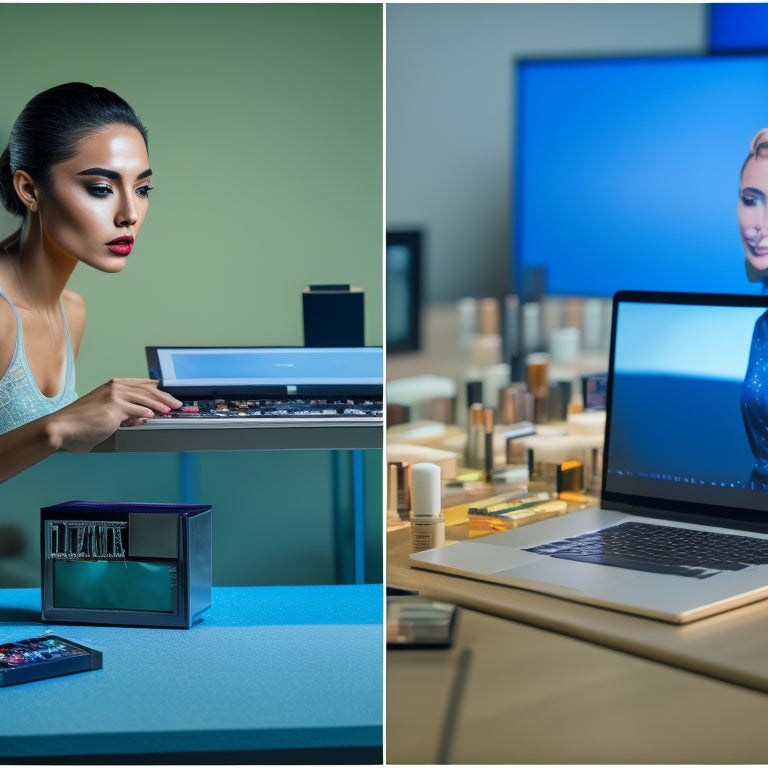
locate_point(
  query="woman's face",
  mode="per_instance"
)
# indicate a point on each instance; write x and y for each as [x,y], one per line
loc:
[753,222]
[98,199]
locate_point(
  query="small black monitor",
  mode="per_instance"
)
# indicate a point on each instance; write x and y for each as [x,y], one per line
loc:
[404,264]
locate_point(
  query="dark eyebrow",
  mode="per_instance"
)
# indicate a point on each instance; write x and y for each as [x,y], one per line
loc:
[108,174]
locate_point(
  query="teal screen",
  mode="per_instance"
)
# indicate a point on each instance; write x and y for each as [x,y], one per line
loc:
[122,585]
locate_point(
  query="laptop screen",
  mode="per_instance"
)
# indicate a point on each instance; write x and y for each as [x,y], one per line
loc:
[687,426]
[254,369]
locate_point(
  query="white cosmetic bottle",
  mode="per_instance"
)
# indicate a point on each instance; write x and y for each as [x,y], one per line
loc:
[427,519]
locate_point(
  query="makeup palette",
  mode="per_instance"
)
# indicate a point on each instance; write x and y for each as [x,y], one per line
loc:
[37,658]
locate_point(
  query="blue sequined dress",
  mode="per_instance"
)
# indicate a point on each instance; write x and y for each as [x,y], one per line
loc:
[754,402]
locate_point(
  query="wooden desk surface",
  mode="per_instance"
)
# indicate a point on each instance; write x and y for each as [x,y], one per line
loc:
[531,696]
[731,646]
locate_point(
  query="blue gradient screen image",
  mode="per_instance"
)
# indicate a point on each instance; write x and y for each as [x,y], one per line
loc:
[626,172]
[278,365]
[676,429]
[738,27]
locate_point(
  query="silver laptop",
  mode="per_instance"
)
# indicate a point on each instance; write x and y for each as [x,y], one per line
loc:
[247,386]
[682,528]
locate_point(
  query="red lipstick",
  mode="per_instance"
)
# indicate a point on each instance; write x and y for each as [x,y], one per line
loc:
[122,246]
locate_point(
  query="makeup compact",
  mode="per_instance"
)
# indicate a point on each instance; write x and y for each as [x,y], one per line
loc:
[126,564]
[38,658]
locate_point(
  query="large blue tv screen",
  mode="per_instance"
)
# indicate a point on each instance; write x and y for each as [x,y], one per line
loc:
[626,172]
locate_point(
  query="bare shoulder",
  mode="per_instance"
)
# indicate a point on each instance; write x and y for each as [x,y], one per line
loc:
[74,307]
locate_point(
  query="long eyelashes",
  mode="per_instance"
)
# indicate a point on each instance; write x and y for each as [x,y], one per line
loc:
[99,190]
[104,190]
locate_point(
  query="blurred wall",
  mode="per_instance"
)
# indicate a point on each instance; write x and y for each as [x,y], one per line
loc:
[265,136]
[450,115]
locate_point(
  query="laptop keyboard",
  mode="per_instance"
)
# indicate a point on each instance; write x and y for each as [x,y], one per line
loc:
[227,409]
[661,549]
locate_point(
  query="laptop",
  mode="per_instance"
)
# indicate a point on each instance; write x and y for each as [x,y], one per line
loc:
[247,386]
[681,531]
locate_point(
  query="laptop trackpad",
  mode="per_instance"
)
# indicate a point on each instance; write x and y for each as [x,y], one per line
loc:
[567,574]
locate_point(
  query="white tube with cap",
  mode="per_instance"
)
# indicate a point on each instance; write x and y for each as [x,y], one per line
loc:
[427,519]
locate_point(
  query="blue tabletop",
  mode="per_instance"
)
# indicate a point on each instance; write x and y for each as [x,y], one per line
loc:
[267,668]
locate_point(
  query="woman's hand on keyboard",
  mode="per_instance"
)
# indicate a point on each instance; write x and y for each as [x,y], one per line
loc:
[94,417]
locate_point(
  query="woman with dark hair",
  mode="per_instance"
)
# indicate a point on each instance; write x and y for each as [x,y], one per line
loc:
[76,170]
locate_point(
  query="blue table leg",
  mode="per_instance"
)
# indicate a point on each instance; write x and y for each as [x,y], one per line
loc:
[358,507]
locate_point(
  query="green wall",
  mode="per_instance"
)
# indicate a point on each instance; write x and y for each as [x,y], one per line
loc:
[265,130]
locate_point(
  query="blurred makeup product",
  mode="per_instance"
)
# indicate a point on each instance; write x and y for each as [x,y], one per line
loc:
[485,350]
[397,414]
[576,403]
[531,328]
[448,461]
[538,383]
[595,319]
[466,485]
[391,490]
[488,316]
[474,391]
[484,346]
[587,423]
[469,389]
[488,442]
[595,389]
[507,502]
[515,444]
[399,489]
[516,403]
[513,475]
[427,520]
[495,378]
[511,336]
[475,450]
[469,476]
[481,523]
[466,309]
[420,431]
[545,454]
[559,397]
[589,428]
[418,622]
[426,397]
[565,345]
[569,479]
[572,313]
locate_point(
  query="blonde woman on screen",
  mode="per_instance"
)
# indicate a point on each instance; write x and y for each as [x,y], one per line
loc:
[753,227]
